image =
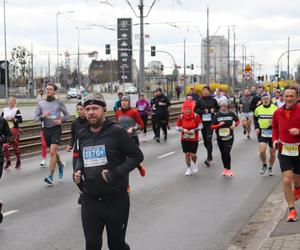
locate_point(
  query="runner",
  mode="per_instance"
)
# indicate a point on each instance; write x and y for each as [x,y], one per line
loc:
[219,96]
[224,122]
[5,136]
[129,119]
[13,116]
[49,112]
[143,108]
[107,156]
[279,102]
[263,126]
[193,94]
[77,124]
[206,107]
[162,114]
[117,104]
[247,114]
[189,124]
[256,100]
[286,137]
[153,115]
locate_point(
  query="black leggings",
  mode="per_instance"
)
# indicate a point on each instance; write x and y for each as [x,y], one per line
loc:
[112,214]
[207,133]
[145,120]
[225,148]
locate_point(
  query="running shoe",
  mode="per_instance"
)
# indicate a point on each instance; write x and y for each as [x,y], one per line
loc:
[43,164]
[225,172]
[195,168]
[7,165]
[297,193]
[292,216]
[270,170]
[188,172]
[165,137]
[263,169]
[207,163]
[230,172]
[49,180]
[244,131]
[142,170]
[18,164]
[157,140]
[61,170]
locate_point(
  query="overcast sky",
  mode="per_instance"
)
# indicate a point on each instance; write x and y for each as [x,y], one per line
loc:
[263,25]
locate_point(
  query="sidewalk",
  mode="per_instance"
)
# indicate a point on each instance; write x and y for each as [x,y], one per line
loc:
[267,229]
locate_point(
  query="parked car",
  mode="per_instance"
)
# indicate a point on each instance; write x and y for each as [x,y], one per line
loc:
[74,93]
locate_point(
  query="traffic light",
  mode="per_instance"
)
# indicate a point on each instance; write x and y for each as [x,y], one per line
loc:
[192,66]
[107,49]
[161,67]
[258,78]
[195,78]
[152,50]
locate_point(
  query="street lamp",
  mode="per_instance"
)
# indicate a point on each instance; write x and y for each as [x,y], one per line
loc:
[5,51]
[78,53]
[57,42]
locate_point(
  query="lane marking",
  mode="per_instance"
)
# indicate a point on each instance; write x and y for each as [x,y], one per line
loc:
[165,155]
[10,212]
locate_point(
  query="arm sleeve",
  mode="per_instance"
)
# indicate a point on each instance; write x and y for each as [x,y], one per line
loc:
[138,119]
[131,150]
[198,109]
[178,124]
[216,106]
[38,113]
[214,123]
[275,134]
[65,112]
[168,102]
[19,116]
[71,144]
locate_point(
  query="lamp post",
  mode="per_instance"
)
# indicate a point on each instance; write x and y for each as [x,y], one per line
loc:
[5,51]
[57,42]
[78,54]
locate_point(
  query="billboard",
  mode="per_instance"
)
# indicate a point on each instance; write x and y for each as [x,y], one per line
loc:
[124,50]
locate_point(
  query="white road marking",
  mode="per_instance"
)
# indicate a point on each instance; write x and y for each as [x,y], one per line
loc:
[10,212]
[165,155]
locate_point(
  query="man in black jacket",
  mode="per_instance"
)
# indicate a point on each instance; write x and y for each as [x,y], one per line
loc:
[5,135]
[162,104]
[107,155]
[206,107]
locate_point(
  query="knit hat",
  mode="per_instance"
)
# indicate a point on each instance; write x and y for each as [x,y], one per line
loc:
[265,94]
[94,99]
[125,98]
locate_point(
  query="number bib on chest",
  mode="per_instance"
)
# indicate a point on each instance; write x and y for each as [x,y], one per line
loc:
[223,132]
[94,156]
[206,117]
[189,135]
[290,150]
[52,115]
[267,133]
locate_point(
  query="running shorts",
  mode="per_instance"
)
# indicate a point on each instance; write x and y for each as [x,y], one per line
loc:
[266,140]
[291,163]
[189,146]
[52,135]
[245,116]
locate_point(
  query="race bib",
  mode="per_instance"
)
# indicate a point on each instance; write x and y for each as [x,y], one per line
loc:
[267,133]
[94,156]
[223,132]
[290,150]
[53,115]
[141,107]
[206,117]
[190,135]
[10,124]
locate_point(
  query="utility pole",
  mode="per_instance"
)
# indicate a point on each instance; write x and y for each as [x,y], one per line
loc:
[32,76]
[288,60]
[228,62]
[184,68]
[5,52]
[207,50]
[234,65]
[142,47]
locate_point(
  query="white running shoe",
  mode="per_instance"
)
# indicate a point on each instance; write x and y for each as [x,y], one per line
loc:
[195,167]
[43,164]
[144,138]
[188,172]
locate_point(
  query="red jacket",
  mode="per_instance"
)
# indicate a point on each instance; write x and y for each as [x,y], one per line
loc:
[189,124]
[282,122]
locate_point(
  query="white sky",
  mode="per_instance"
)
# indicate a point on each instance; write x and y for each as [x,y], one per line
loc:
[263,25]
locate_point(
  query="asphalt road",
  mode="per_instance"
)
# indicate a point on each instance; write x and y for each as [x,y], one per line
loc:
[168,210]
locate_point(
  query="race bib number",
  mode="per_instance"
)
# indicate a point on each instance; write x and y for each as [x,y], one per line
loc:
[206,117]
[141,107]
[290,150]
[94,156]
[10,124]
[267,133]
[53,115]
[223,132]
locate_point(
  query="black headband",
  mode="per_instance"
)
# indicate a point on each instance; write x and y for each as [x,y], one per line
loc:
[94,102]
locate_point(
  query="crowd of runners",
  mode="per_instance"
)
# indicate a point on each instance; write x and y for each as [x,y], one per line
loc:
[105,151]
